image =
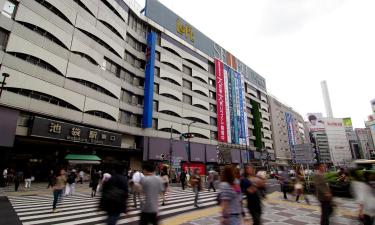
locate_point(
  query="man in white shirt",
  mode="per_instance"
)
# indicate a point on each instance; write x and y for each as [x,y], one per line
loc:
[136,179]
[5,176]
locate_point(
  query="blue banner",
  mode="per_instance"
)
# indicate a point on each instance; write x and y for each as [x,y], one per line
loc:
[149,81]
[242,108]
[234,107]
[230,102]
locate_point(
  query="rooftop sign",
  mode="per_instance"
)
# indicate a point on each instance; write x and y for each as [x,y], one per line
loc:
[181,28]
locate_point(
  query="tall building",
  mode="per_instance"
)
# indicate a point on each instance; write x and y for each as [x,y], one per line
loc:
[370,125]
[289,130]
[100,78]
[366,142]
[329,138]
[352,138]
[326,98]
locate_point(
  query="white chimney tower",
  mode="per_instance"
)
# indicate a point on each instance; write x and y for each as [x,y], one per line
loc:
[327,101]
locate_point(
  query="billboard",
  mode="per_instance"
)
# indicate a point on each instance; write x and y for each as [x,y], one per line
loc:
[291,133]
[160,14]
[149,81]
[347,122]
[230,98]
[315,122]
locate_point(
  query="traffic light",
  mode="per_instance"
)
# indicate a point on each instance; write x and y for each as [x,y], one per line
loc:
[187,135]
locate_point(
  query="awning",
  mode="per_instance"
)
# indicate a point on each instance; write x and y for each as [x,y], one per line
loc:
[83,159]
[244,156]
[179,150]
[157,147]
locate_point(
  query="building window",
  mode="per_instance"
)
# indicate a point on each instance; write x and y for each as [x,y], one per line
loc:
[155,106]
[186,70]
[130,119]
[157,55]
[156,71]
[212,95]
[155,124]
[213,108]
[186,84]
[187,99]
[112,67]
[9,9]
[211,68]
[212,82]
[4,34]
[156,88]
[213,121]
[213,135]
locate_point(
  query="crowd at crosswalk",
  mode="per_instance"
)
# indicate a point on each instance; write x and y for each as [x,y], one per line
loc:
[83,209]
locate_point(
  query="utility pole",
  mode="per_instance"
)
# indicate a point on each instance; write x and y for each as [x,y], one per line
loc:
[170,151]
[189,124]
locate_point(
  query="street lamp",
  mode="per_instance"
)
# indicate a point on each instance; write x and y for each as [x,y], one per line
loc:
[189,124]
[5,75]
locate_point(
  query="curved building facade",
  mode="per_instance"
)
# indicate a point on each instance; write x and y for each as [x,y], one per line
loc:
[78,83]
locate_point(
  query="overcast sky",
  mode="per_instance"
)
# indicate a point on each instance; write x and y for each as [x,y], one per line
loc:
[295,44]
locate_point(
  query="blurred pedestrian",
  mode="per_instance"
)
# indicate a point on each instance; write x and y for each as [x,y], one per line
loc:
[71,183]
[251,186]
[114,196]
[284,181]
[230,198]
[183,179]
[94,182]
[151,186]
[81,176]
[165,179]
[323,193]
[50,178]
[211,180]
[136,179]
[58,186]
[196,183]
[299,186]
[17,179]
[365,196]
[28,179]
[5,176]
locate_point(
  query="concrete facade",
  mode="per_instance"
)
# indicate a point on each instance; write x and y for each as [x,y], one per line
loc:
[83,62]
[281,139]
[366,142]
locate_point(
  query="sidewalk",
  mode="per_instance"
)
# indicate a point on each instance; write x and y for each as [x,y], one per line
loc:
[277,211]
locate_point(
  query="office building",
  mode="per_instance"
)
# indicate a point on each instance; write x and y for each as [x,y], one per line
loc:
[100,78]
[366,142]
[290,134]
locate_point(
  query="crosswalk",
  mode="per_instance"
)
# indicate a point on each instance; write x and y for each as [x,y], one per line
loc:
[82,209]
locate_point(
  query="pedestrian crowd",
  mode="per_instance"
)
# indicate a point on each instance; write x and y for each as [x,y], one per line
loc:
[238,193]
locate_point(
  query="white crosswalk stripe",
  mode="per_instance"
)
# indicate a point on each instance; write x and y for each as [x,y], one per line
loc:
[82,209]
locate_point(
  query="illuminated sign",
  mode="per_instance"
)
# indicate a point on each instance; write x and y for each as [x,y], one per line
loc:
[185,30]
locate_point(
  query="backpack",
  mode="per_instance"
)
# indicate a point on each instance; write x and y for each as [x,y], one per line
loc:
[71,179]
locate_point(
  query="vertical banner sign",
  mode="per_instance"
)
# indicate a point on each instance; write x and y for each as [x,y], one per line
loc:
[149,81]
[220,101]
[229,127]
[242,108]
[230,102]
[292,141]
[234,105]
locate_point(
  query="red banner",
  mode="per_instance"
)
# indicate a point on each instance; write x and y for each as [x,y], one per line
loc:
[220,101]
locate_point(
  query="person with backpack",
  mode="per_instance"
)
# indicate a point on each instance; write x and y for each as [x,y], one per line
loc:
[230,197]
[17,180]
[114,196]
[252,186]
[70,183]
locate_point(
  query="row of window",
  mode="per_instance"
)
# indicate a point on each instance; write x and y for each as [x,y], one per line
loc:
[123,74]
[93,86]
[137,25]
[130,119]
[134,43]
[131,98]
